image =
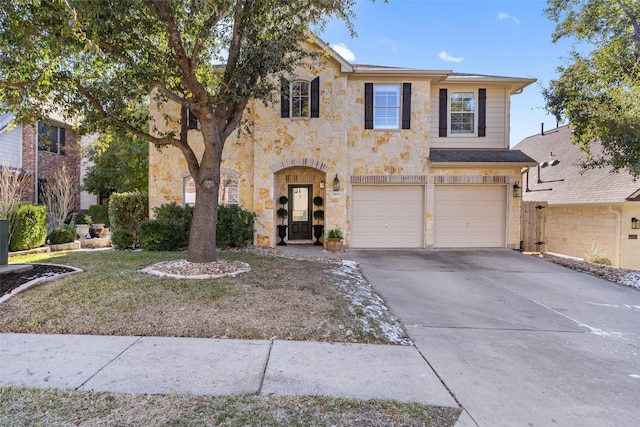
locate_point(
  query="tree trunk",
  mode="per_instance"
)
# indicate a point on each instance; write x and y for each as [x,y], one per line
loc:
[202,236]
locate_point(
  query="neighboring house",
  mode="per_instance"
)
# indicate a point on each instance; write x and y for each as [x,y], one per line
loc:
[37,151]
[590,212]
[419,158]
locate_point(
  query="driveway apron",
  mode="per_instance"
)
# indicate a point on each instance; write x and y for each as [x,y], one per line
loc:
[518,340]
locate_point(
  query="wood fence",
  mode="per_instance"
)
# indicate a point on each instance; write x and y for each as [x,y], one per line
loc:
[532,226]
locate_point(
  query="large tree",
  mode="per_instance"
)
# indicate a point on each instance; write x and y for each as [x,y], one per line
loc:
[598,90]
[96,59]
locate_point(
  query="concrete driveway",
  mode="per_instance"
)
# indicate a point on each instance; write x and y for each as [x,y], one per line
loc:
[517,340]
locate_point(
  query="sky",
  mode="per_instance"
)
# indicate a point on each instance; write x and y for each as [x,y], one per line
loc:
[494,37]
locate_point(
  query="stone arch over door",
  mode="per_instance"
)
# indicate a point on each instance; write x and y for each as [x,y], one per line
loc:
[298,174]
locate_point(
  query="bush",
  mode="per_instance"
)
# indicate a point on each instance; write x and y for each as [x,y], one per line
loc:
[30,227]
[82,218]
[126,212]
[123,239]
[235,227]
[162,235]
[100,214]
[62,235]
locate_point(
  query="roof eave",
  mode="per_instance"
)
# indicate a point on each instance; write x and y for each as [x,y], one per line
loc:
[476,164]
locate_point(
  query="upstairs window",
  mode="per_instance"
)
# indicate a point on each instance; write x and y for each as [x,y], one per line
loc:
[192,121]
[463,108]
[387,106]
[300,99]
[51,138]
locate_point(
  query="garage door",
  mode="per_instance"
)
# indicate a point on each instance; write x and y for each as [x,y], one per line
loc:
[387,216]
[470,216]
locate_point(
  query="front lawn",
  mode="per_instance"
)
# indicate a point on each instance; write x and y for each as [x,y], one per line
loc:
[299,299]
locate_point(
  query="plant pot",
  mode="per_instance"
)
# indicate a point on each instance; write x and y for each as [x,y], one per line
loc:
[96,230]
[82,230]
[334,245]
[105,232]
[318,231]
[282,233]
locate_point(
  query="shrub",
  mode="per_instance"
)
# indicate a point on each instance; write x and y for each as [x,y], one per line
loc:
[62,235]
[162,234]
[30,227]
[82,218]
[100,214]
[123,239]
[127,211]
[235,227]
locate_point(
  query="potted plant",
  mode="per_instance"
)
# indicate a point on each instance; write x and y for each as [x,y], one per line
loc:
[82,222]
[282,214]
[334,240]
[318,229]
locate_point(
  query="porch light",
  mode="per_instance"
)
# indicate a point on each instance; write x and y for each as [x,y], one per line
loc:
[322,183]
[635,223]
[517,190]
[336,183]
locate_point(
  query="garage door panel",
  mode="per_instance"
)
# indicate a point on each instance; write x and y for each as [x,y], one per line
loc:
[387,216]
[470,216]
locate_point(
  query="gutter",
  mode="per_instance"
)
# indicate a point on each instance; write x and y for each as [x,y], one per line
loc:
[618,240]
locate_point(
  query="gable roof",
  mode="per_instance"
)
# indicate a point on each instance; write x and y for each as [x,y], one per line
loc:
[564,182]
[5,119]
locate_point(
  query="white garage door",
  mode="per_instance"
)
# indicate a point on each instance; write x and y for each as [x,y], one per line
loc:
[470,216]
[387,216]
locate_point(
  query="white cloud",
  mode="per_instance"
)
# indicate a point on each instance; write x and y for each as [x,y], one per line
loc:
[344,51]
[448,58]
[387,42]
[503,16]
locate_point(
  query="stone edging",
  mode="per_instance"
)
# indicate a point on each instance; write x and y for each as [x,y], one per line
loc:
[40,280]
[150,270]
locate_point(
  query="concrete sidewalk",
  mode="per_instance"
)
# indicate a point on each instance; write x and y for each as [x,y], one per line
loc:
[199,366]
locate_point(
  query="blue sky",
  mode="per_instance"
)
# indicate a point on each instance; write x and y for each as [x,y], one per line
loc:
[504,38]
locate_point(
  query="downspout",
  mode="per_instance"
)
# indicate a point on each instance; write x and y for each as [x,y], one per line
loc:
[617,248]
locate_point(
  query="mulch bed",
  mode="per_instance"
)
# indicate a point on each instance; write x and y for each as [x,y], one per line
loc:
[11,281]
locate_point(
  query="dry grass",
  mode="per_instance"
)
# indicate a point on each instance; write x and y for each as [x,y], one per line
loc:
[279,298]
[24,406]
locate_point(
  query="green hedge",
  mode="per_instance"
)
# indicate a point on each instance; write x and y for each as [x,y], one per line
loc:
[100,214]
[170,230]
[30,227]
[123,239]
[62,235]
[126,212]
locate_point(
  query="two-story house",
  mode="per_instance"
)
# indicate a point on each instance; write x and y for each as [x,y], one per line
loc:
[402,158]
[37,150]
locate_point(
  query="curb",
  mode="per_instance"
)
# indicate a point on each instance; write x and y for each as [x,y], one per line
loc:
[40,280]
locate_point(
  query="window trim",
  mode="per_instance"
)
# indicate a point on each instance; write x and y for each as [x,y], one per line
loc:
[404,99]
[450,113]
[46,130]
[293,97]
[379,108]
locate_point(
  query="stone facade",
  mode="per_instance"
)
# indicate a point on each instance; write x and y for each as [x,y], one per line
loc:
[280,152]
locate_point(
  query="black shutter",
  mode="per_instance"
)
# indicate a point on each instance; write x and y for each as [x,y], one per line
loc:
[482,112]
[406,105]
[315,97]
[192,120]
[284,99]
[61,141]
[442,120]
[368,105]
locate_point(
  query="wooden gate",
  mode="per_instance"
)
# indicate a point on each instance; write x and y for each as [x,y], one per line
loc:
[532,226]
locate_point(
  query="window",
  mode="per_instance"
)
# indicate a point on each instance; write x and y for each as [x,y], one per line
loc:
[192,121]
[463,107]
[300,98]
[228,194]
[51,138]
[386,106]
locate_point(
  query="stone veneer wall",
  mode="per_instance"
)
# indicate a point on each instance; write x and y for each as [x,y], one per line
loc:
[337,139]
[584,231]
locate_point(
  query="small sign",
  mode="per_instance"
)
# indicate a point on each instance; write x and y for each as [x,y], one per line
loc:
[336,194]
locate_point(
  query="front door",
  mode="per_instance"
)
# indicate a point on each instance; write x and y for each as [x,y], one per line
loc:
[300,212]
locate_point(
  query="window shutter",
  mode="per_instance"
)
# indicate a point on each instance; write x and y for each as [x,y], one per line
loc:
[406,105]
[368,105]
[482,112]
[442,121]
[315,97]
[284,99]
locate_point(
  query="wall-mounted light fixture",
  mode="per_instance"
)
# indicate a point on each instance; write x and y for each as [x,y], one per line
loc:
[322,183]
[336,183]
[635,223]
[517,190]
